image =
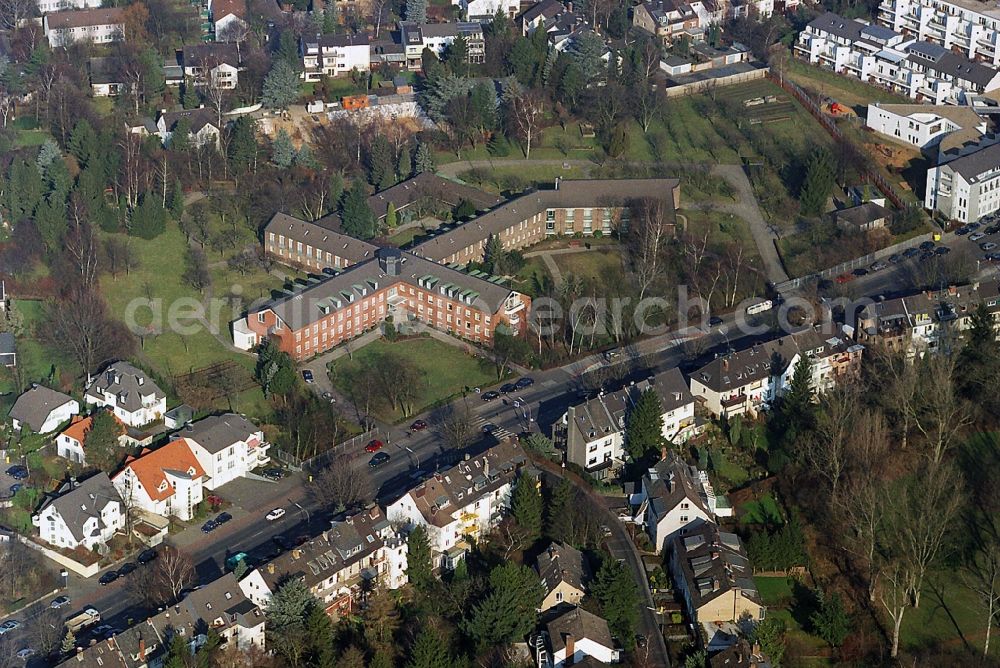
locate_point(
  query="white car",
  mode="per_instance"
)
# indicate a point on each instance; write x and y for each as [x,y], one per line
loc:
[9,625]
[25,654]
[977,236]
[275,514]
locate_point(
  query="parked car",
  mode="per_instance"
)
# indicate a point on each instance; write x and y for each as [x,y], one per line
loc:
[379,459]
[844,278]
[489,428]
[714,321]
[963,230]
[9,625]
[926,245]
[59,602]
[307,375]
[126,568]
[878,266]
[108,578]
[146,556]
[988,246]
[223,518]
[977,236]
[374,445]
[209,526]
[275,514]
[282,542]
[992,229]
[860,271]
[507,388]
[911,252]
[926,255]
[942,250]
[895,258]
[491,395]
[273,474]
[18,472]
[25,654]
[418,425]
[973,226]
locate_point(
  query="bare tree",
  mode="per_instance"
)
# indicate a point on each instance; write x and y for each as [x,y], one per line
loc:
[895,598]
[982,575]
[526,112]
[829,454]
[47,631]
[454,425]
[648,237]
[943,414]
[13,12]
[340,486]
[119,256]
[82,325]
[82,246]
[173,571]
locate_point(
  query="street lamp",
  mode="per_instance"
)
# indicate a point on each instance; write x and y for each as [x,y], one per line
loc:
[301,509]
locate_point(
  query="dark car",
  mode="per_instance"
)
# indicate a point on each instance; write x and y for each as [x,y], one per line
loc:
[964,229]
[491,395]
[307,375]
[992,229]
[127,568]
[895,258]
[18,472]
[146,556]
[379,459]
[927,245]
[860,271]
[507,388]
[489,428]
[522,383]
[108,578]
[273,474]
[911,252]
[973,226]
[714,321]
[209,526]
[926,255]
[418,425]
[825,284]
[942,250]
[223,518]
[15,488]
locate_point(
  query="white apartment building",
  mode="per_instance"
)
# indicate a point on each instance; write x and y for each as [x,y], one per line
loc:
[49,6]
[102,25]
[465,501]
[135,399]
[965,26]
[485,10]
[167,481]
[875,54]
[334,55]
[926,126]
[438,37]
[966,187]
[85,514]
[227,447]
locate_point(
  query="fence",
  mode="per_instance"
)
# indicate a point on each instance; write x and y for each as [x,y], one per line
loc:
[705,85]
[349,448]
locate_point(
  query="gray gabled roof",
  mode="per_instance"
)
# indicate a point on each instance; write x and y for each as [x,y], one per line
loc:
[671,481]
[8,346]
[34,406]
[579,624]
[562,563]
[127,383]
[971,165]
[218,432]
[86,501]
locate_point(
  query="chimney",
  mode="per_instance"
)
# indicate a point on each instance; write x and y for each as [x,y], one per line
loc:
[569,7]
[570,649]
[557,178]
[716,585]
[466,456]
[270,568]
[725,364]
[486,467]
[142,648]
[663,453]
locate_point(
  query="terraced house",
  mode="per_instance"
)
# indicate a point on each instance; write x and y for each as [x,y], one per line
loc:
[964,26]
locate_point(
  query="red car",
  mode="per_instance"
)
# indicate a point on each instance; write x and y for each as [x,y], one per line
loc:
[418,425]
[374,446]
[845,278]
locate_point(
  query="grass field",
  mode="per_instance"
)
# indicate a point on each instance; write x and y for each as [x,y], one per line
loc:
[445,370]
[763,511]
[846,90]
[595,267]
[793,604]
[949,614]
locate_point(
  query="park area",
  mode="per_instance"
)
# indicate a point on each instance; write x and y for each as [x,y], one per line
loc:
[394,380]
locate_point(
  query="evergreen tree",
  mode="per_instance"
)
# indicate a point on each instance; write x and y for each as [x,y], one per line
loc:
[68,643]
[382,658]
[288,50]
[319,630]
[381,164]
[101,441]
[586,51]
[526,506]
[418,554]
[818,182]
[243,144]
[770,635]
[275,370]
[830,621]
[977,370]
[352,657]
[424,160]
[391,218]
[458,55]
[281,86]
[189,95]
[416,11]
[793,416]
[48,153]
[330,18]
[149,219]
[618,595]
[177,652]
[180,136]
[287,611]
[429,651]
[282,150]
[404,168]
[304,158]
[559,513]
[83,142]
[177,200]
[494,255]
[509,611]
[644,426]
[359,221]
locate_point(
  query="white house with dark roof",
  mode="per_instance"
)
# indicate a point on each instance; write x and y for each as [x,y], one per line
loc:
[227,446]
[675,498]
[438,37]
[85,514]
[203,126]
[965,26]
[334,55]
[966,186]
[217,64]
[100,25]
[133,397]
[576,635]
[43,410]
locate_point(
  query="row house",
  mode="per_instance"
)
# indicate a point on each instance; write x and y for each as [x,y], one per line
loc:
[963,26]
[227,446]
[408,196]
[168,481]
[129,393]
[219,606]
[334,55]
[438,37]
[927,321]
[877,55]
[81,514]
[965,184]
[592,433]
[462,504]
[357,553]
[572,207]
[748,381]
[394,284]
[674,499]
[101,25]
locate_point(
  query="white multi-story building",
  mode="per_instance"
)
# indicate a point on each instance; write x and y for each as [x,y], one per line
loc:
[334,55]
[134,398]
[964,26]
[85,514]
[438,37]
[926,126]
[102,25]
[485,10]
[462,502]
[227,446]
[167,481]
[924,71]
[49,6]
[966,186]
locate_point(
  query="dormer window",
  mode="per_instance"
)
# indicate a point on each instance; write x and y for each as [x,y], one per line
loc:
[163,486]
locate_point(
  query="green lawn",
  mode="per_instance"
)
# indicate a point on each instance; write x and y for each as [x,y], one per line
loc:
[846,90]
[597,268]
[534,269]
[774,591]
[948,614]
[445,370]
[763,511]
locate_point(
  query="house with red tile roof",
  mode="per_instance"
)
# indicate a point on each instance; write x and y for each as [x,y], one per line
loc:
[167,481]
[69,444]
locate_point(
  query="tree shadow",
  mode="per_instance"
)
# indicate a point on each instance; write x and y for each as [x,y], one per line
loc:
[934,591]
[804,604]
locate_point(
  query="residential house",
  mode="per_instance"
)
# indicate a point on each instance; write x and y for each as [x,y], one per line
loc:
[334,55]
[227,446]
[577,634]
[81,514]
[394,284]
[203,126]
[862,218]
[359,551]
[926,322]
[672,19]
[747,381]
[438,37]
[133,397]
[938,128]
[101,25]
[70,443]
[49,6]
[105,80]
[564,573]
[229,18]
[592,433]
[216,64]
[484,10]
[42,410]
[167,481]
[676,498]
[963,26]
[742,654]
[540,14]
[8,350]
[923,71]
[462,502]
[965,185]
[714,577]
